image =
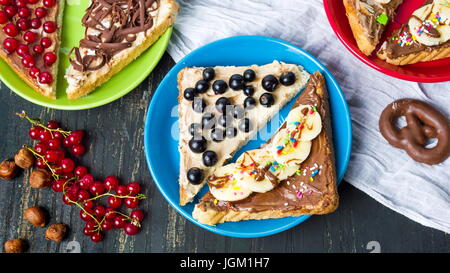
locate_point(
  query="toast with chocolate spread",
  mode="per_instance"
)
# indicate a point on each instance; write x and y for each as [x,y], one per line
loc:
[221,108]
[368,20]
[292,174]
[117,32]
[425,37]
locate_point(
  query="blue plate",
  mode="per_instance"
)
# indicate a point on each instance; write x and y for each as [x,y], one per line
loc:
[161,129]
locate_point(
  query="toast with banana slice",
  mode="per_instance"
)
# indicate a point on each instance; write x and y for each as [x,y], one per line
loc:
[117,32]
[425,37]
[221,108]
[290,175]
[368,20]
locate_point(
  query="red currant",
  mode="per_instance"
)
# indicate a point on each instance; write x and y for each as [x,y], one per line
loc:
[40,12]
[21,3]
[23,50]
[110,213]
[57,169]
[53,124]
[54,156]
[68,199]
[111,183]
[49,3]
[131,202]
[49,58]
[28,61]
[131,229]
[29,37]
[100,211]
[11,30]
[67,165]
[35,23]
[3,17]
[46,42]
[45,135]
[83,195]
[40,163]
[66,142]
[58,185]
[107,225]
[49,27]
[10,44]
[97,188]
[41,148]
[114,202]
[85,216]
[24,12]
[33,1]
[137,215]
[54,143]
[97,237]
[80,171]
[45,78]
[23,24]
[34,72]
[38,49]
[86,181]
[11,11]
[34,132]
[88,204]
[133,188]
[5,2]
[76,137]
[78,150]
[119,221]
[58,135]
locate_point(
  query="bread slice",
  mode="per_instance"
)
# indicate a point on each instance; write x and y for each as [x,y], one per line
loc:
[83,81]
[258,115]
[368,20]
[310,190]
[425,37]
[54,14]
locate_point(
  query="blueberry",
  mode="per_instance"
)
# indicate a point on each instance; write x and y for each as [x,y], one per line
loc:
[238,112]
[269,83]
[209,74]
[266,100]
[198,145]
[199,105]
[287,79]
[224,120]
[219,87]
[249,103]
[194,129]
[209,158]
[249,75]
[195,176]
[249,90]
[236,82]
[231,132]
[222,103]
[208,121]
[245,125]
[217,135]
[189,94]
[202,86]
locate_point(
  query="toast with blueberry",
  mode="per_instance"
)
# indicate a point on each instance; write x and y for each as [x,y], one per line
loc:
[221,108]
[117,32]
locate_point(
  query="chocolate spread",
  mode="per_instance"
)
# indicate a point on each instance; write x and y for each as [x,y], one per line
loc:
[315,179]
[117,23]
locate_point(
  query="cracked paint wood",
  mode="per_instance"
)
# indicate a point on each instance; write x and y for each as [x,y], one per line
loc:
[115,137]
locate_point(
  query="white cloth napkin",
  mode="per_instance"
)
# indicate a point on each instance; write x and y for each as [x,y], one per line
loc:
[389,175]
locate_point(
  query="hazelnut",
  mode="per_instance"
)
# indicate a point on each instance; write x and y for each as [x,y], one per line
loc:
[40,178]
[56,232]
[15,246]
[24,158]
[37,216]
[8,169]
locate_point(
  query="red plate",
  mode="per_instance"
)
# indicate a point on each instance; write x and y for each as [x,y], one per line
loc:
[434,71]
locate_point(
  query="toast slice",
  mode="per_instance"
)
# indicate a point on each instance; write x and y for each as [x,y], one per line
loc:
[291,175]
[425,37]
[31,44]
[115,35]
[368,20]
[221,108]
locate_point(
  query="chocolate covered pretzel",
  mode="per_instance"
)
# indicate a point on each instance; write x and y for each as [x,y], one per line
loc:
[422,122]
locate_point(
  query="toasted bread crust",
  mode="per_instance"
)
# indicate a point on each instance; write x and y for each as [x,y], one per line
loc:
[329,203]
[423,56]
[364,43]
[99,79]
[49,92]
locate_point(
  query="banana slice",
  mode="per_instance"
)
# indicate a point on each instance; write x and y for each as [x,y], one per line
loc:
[383,1]
[419,24]
[287,152]
[227,184]
[305,122]
[253,166]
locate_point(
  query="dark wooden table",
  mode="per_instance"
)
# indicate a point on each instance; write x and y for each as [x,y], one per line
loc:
[116,148]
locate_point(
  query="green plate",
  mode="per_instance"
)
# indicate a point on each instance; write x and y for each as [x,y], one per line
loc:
[119,85]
